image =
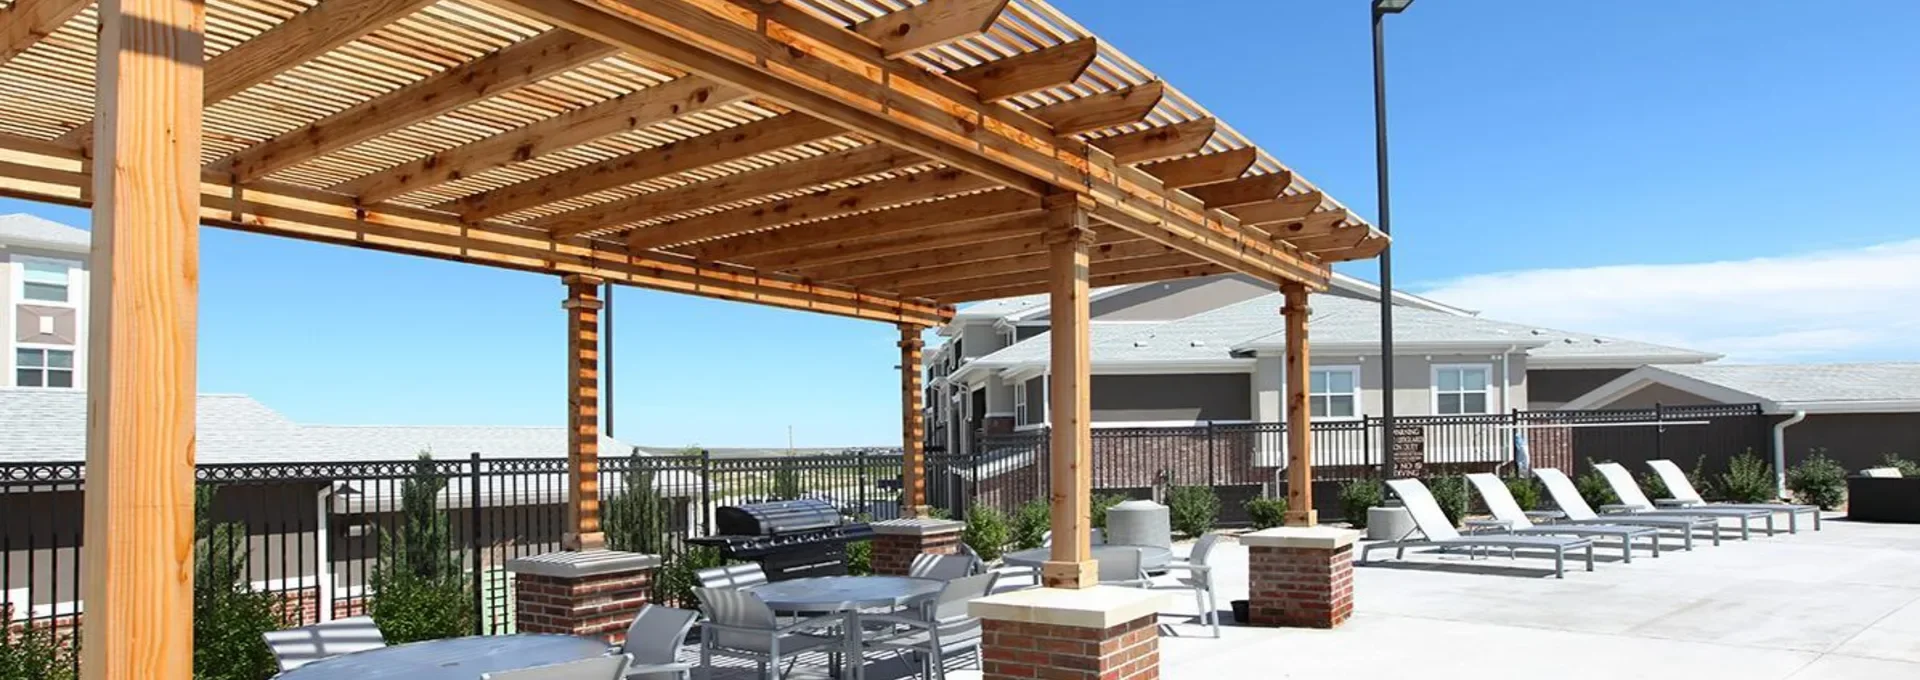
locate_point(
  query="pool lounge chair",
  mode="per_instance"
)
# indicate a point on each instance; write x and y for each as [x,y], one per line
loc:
[1634,501]
[1576,510]
[1438,532]
[1506,511]
[1683,496]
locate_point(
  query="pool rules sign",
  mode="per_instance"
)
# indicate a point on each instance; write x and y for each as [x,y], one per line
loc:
[1408,448]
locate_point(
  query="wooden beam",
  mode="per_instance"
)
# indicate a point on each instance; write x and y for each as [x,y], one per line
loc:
[140,355]
[854,235]
[1282,209]
[935,23]
[844,201]
[1316,224]
[773,179]
[25,23]
[1102,111]
[514,66]
[1243,191]
[1003,262]
[1206,169]
[1157,143]
[1340,239]
[913,429]
[1300,512]
[582,531]
[1124,276]
[1030,72]
[631,111]
[1366,249]
[929,249]
[732,144]
[1071,564]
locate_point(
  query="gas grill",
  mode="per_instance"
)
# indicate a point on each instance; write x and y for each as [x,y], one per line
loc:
[790,539]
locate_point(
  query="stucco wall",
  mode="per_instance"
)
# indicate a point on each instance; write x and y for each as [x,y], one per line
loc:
[1190,397]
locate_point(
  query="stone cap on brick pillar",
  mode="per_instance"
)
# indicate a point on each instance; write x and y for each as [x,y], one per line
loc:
[1315,537]
[1099,607]
[582,563]
[918,527]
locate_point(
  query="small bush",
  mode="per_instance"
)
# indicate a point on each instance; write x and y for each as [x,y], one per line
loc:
[860,558]
[1193,510]
[1656,487]
[229,617]
[1030,524]
[1356,495]
[36,654]
[675,580]
[419,590]
[1819,481]
[987,532]
[1451,494]
[1906,467]
[1747,480]
[1525,491]
[1267,512]
[1101,502]
[1595,490]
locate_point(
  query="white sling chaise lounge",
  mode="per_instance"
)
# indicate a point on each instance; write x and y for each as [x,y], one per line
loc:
[1683,496]
[1433,525]
[1500,502]
[1577,511]
[1633,501]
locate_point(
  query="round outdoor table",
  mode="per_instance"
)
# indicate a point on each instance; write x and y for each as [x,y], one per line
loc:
[846,595]
[451,659]
[1152,559]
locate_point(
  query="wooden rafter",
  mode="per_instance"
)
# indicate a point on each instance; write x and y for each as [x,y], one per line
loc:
[1003,79]
[874,234]
[1243,191]
[1158,143]
[25,22]
[1282,209]
[720,147]
[1207,169]
[1317,224]
[943,246]
[628,112]
[1102,111]
[1097,279]
[1339,239]
[1015,260]
[932,24]
[514,66]
[1366,249]
[833,203]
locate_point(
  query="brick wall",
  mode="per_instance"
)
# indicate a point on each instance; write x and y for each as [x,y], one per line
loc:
[894,553]
[599,606]
[1018,649]
[1300,587]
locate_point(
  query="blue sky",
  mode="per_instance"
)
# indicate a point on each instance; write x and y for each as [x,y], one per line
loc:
[1636,167]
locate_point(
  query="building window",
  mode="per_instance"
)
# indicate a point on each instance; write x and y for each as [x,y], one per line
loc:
[1461,390]
[43,367]
[1334,393]
[45,280]
[1020,404]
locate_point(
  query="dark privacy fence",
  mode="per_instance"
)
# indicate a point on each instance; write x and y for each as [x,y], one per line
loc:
[314,535]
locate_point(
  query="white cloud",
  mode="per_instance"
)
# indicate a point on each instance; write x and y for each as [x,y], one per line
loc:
[1839,305]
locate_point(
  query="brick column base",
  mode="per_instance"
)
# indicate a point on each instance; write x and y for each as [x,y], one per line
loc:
[897,542]
[1300,577]
[591,593]
[1099,633]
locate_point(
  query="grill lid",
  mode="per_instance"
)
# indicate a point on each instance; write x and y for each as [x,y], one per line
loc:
[774,518]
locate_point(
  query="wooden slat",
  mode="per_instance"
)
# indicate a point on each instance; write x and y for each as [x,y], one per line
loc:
[1102,111]
[25,22]
[913,430]
[1207,169]
[1011,236]
[514,66]
[849,200]
[774,179]
[1300,510]
[998,254]
[1005,261]
[1282,209]
[1122,275]
[886,233]
[720,147]
[1243,191]
[583,304]
[628,112]
[1070,368]
[1367,249]
[1316,224]
[934,23]
[1030,72]
[1157,143]
[1340,239]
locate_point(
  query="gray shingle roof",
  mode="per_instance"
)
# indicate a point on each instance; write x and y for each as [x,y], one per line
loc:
[1804,383]
[21,227]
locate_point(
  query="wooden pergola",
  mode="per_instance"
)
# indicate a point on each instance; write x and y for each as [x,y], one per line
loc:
[875,159]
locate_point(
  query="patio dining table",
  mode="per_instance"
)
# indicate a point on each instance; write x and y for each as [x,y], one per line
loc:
[846,595]
[451,659]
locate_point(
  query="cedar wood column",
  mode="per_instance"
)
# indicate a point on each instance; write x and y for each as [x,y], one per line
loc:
[583,304]
[913,448]
[1300,511]
[138,583]
[1071,564]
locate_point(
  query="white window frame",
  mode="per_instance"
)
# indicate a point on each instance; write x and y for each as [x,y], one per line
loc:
[1020,404]
[1359,402]
[20,277]
[1434,391]
[14,367]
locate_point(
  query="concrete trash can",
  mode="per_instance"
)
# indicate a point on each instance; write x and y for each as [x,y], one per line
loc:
[1386,524]
[1139,523]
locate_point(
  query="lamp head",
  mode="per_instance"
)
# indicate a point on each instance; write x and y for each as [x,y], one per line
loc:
[1390,6]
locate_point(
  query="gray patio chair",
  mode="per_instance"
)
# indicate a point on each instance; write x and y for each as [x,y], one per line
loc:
[298,647]
[1095,536]
[939,630]
[1438,532]
[1123,569]
[1633,501]
[975,564]
[940,567]
[1512,519]
[1576,511]
[653,641]
[1684,496]
[1199,579]
[740,625]
[597,668]
[731,576]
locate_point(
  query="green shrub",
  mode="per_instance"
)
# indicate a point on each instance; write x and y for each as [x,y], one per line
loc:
[860,558]
[1525,491]
[785,483]
[1819,481]
[636,517]
[987,532]
[1747,480]
[1906,467]
[36,654]
[1595,490]
[1652,484]
[1193,510]
[1451,494]
[675,581]
[1356,495]
[939,513]
[1030,524]
[229,617]
[419,589]
[1267,512]
[1102,502]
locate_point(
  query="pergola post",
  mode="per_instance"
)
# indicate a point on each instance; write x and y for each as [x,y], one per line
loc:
[1068,239]
[583,414]
[138,584]
[913,447]
[1300,511]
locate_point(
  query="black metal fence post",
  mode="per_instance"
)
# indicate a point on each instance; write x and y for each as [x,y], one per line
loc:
[706,491]
[860,477]
[1659,432]
[474,546]
[1213,459]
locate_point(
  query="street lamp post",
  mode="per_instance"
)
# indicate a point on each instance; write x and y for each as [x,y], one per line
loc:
[1381,8]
